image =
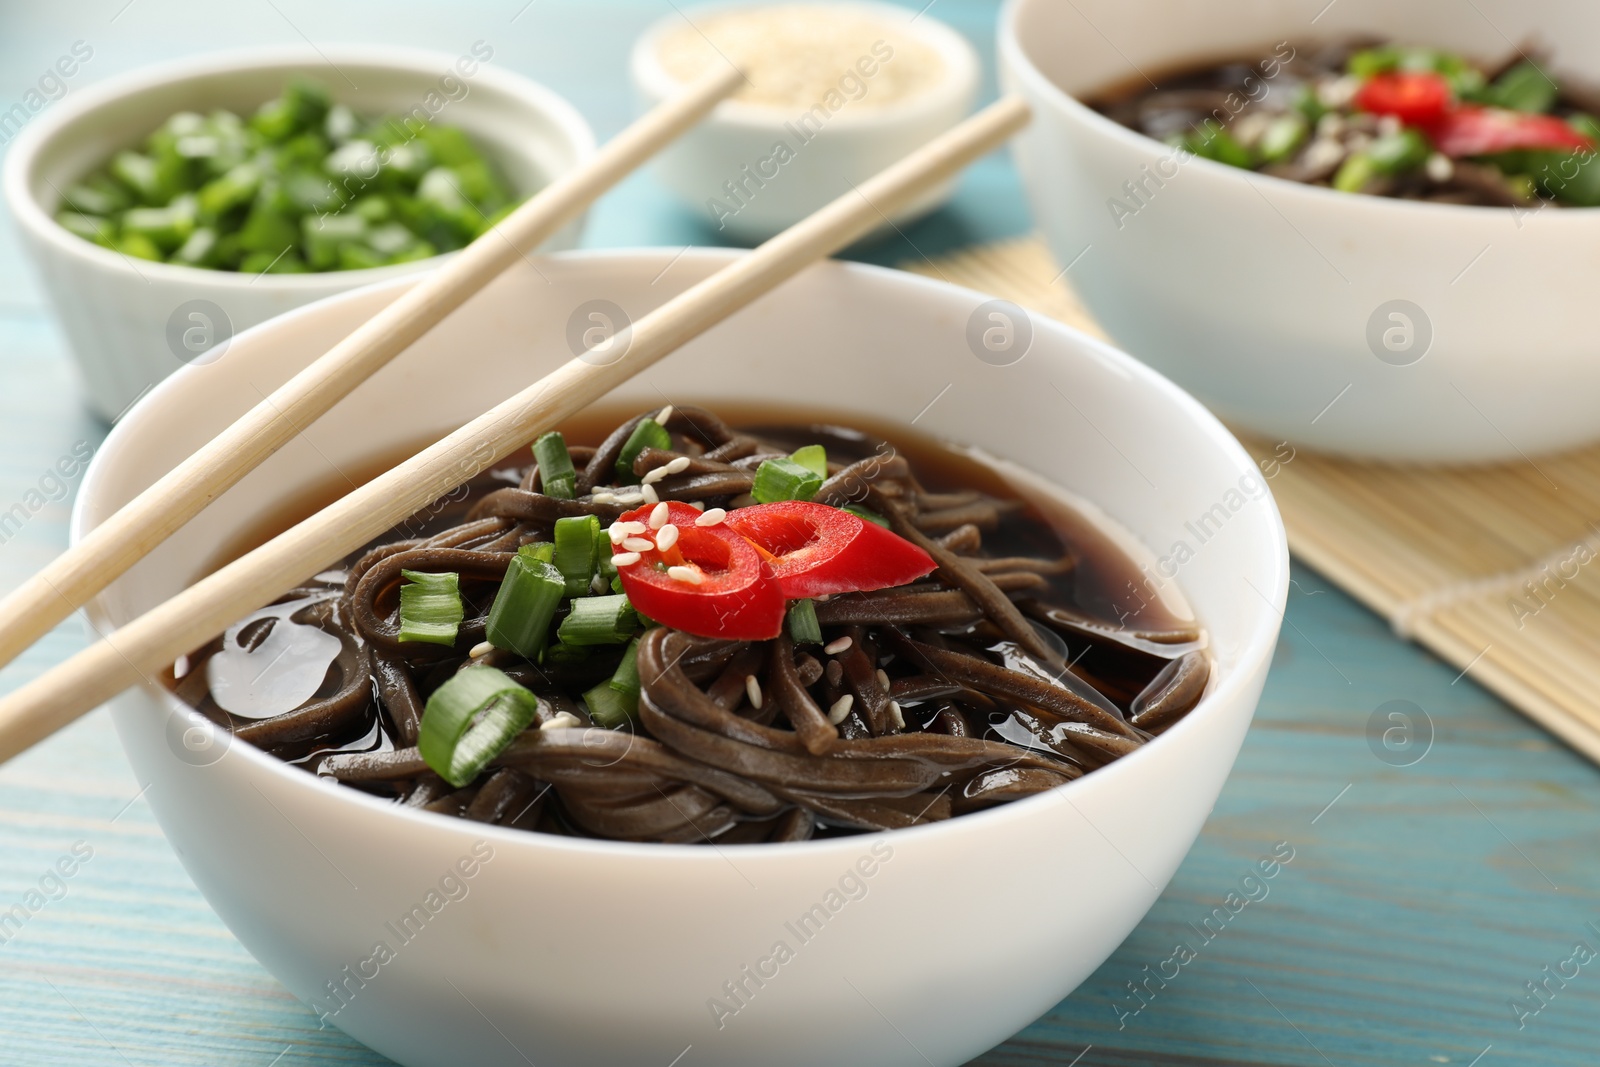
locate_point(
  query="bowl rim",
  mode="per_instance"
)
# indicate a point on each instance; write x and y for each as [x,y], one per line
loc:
[1014,57]
[964,68]
[60,120]
[1255,650]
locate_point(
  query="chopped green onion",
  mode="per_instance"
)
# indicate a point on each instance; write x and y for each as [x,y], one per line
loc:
[812,457]
[1283,137]
[577,543]
[784,479]
[1211,141]
[1306,101]
[647,434]
[470,719]
[803,625]
[1523,88]
[598,620]
[626,678]
[1354,173]
[557,477]
[868,514]
[1396,153]
[526,604]
[540,550]
[430,607]
[609,708]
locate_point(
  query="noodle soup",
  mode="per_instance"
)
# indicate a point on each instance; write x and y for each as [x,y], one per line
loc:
[577,641]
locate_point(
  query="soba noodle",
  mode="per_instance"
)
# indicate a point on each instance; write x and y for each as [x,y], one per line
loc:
[982,683]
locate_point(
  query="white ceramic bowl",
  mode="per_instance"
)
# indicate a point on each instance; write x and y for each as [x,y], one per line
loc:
[830,152]
[1260,294]
[582,952]
[117,312]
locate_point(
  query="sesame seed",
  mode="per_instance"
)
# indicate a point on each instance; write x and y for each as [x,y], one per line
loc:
[840,709]
[666,537]
[711,517]
[833,648]
[684,574]
[647,493]
[600,496]
[677,465]
[637,544]
[616,533]
[698,505]
[631,528]
[883,678]
[896,715]
[664,414]
[625,559]
[654,475]
[480,650]
[659,515]
[180,668]
[561,720]
[752,689]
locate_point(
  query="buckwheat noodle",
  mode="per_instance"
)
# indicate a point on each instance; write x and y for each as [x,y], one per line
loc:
[980,684]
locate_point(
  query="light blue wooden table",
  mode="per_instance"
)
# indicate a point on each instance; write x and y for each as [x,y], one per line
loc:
[1419,901]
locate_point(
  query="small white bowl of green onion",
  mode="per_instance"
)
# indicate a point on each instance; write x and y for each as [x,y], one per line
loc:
[169,208]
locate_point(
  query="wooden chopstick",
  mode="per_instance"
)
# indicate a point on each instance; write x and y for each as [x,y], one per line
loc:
[145,646]
[73,579]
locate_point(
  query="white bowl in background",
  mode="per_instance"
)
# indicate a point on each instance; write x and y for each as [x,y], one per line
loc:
[736,143]
[1258,294]
[566,952]
[115,310]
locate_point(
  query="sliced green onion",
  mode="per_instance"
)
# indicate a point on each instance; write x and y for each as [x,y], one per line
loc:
[609,708]
[812,457]
[868,514]
[784,479]
[1524,88]
[1354,173]
[647,434]
[1398,152]
[577,542]
[526,604]
[540,550]
[626,678]
[598,620]
[470,719]
[1211,140]
[430,607]
[1283,137]
[803,625]
[557,477]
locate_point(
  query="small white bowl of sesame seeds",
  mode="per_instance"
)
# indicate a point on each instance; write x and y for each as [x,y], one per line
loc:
[835,92]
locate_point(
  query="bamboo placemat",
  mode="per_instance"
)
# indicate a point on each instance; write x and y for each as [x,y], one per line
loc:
[1496,569]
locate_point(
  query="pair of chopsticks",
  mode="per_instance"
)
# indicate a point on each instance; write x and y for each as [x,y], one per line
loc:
[143,648]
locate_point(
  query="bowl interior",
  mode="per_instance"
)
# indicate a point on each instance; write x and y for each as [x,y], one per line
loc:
[1089,45]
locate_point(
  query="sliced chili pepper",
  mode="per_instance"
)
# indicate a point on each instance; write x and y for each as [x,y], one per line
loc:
[1417,98]
[735,597]
[814,549]
[1482,131]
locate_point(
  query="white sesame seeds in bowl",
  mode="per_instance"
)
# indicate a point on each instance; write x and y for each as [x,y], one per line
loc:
[836,92]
